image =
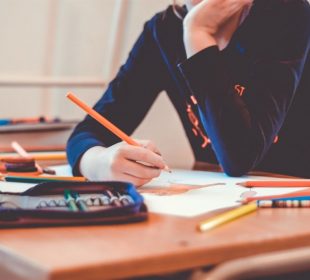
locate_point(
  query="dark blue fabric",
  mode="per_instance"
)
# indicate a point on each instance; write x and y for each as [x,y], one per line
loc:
[267,57]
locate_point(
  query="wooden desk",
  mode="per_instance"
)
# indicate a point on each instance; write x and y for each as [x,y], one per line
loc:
[160,245]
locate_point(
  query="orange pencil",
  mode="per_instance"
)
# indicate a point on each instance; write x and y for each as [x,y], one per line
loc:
[43,156]
[38,156]
[305,192]
[102,120]
[296,183]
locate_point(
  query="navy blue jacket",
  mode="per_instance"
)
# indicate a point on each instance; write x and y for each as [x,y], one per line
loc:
[233,104]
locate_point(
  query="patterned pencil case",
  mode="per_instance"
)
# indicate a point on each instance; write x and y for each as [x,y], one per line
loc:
[72,203]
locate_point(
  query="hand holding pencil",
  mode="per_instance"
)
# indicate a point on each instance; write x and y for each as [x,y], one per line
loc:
[121,162]
[136,161]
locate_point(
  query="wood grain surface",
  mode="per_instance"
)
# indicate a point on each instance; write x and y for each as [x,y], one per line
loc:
[160,245]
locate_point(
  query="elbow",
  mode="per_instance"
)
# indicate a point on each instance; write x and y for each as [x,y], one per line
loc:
[237,166]
[235,171]
[239,157]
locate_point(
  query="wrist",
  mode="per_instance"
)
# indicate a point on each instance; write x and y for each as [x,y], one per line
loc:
[196,40]
[87,164]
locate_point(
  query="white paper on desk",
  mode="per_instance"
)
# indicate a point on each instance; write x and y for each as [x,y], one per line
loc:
[15,187]
[62,170]
[191,177]
[203,200]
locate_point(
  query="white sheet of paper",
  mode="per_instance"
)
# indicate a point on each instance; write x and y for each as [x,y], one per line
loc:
[14,187]
[62,170]
[199,201]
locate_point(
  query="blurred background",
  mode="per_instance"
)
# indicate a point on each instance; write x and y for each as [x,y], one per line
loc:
[49,47]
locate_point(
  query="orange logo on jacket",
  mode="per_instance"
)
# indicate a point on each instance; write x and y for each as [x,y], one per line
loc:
[239,90]
[196,128]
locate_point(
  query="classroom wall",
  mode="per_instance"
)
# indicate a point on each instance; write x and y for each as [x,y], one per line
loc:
[78,39]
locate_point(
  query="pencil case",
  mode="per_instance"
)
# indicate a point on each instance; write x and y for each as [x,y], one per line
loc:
[45,205]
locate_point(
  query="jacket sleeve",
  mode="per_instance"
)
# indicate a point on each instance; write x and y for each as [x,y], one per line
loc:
[126,100]
[242,127]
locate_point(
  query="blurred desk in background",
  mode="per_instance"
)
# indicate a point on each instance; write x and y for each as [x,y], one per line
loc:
[45,136]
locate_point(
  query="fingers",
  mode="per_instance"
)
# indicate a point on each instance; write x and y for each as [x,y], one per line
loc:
[237,5]
[226,7]
[140,170]
[145,155]
[122,169]
[137,165]
[132,179]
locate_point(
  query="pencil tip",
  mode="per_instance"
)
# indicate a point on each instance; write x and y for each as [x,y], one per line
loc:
[166,168]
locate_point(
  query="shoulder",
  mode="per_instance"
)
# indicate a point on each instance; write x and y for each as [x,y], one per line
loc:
[299,10]
[166,19]
[282,22]
[165,29]
[267,4]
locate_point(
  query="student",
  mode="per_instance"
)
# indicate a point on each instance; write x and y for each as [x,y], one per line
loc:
[237,73]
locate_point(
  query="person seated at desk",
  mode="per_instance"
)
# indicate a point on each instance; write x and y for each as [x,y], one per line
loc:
[237,73]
